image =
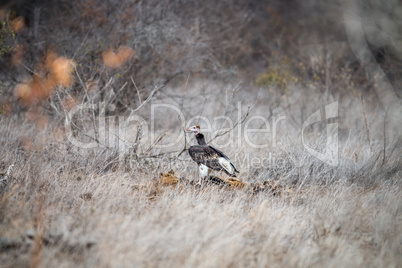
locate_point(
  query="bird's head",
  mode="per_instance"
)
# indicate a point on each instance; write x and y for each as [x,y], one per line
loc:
[194,129]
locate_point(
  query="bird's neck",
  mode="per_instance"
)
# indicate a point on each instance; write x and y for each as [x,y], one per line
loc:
[200,139]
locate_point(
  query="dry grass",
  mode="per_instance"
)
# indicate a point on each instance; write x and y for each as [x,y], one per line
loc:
[62,208]
[120,220]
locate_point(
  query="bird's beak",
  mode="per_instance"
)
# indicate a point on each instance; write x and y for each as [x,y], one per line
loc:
[188,129]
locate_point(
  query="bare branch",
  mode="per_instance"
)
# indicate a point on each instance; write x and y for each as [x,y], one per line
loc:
[385,138]
[185,144]
[85,134]
[241,120]
[154,91]
[366,124]
[138,92]
[114,97]
[234,126]
[157,141]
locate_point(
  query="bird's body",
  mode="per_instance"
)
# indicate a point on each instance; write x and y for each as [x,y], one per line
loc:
[207,157]
[212,158]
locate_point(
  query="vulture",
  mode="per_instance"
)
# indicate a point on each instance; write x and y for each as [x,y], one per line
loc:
[207,157]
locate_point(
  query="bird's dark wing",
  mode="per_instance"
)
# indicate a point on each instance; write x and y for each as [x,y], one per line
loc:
[212,158]
[204,155]
[224,156]
[218,152]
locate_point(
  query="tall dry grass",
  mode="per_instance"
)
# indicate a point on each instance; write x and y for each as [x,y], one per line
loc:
[63,206]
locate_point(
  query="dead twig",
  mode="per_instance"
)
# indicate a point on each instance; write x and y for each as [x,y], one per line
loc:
[366,124]
[138,92]
[114,97]
[161,154]
[239,122]
[157,141]
[385,138]
[185,144]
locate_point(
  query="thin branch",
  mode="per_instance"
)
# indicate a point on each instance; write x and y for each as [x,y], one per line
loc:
[185,144]
[93,112]
[115,95]
[385,138]
[161,154]
[241,120]
[138,137]
[366,124]
[85,134]
[156,142]
[29,69]
[234,90]
[82,43]
[138,92]
[202,110]
[81,82]
[111,80]
[185,91]
[154,91]
[62,104]
[147,100]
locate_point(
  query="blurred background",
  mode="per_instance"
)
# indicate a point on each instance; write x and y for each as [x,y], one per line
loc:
[268,43]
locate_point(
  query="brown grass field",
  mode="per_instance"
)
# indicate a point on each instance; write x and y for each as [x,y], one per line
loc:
[66,207]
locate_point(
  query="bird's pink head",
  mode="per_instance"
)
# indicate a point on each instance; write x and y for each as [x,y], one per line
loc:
[195,129]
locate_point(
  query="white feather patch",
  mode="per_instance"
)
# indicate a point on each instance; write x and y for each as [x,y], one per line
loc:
[226,165]
[203,171]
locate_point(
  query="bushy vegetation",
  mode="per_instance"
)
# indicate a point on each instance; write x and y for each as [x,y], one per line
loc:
[145,70]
